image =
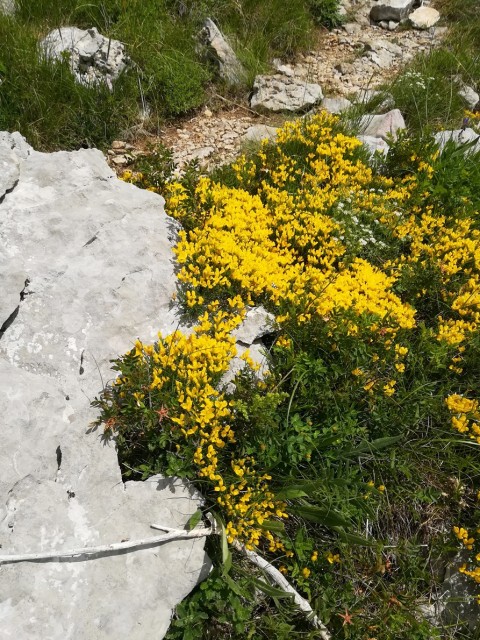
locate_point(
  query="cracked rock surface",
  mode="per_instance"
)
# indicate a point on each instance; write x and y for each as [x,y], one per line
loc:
[86,267]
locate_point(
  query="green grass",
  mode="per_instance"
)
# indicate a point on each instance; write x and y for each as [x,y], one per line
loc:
[42,101]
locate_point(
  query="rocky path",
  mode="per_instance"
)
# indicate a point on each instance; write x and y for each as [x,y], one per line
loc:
[346,63]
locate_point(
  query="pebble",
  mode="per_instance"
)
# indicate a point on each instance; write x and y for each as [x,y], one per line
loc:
[120,160]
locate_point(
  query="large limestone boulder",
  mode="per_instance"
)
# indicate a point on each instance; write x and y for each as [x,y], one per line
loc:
[391,10]
[283,93]
[229,66]
[93,57]
[86,267]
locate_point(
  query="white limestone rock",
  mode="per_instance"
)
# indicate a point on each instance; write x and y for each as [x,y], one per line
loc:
[466,138]
[281,93]
[424,17]
[335,105]
[229,66]
[8,7]
[93,57]
[391,10]
[259,132]
[374,145]
[282,68]
[9,168]
[257,323]
[86,266]
[471,97]
[382,126]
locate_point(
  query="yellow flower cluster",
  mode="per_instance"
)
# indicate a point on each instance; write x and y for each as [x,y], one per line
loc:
[333,557]
[466,418]
[464,537]
[192,363]
[468,541]
[453,249]
[282,245]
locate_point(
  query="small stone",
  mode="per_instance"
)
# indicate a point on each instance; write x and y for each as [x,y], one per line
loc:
[352,28]
[345,68]
[7,7]
[259,132]
[93,58]
[284,69]
[470,96]
[392,25]
[424,17]
[256,324]
[229,66]
[207,113]
[118,144]
[119,160]
[335,105]
[202,153]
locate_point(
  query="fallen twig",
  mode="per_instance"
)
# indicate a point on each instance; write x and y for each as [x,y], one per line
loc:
[172,534]
[278,578]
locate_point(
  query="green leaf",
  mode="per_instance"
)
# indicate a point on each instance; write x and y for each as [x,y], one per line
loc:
[290,493]
[327,517]
[374,445]
[226,553]
[275,526]
[354,538]
[268,590]
[194,520]
[243,593]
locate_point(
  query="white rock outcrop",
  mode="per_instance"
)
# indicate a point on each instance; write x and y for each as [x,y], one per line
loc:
[282,93]
[93,58]
[86,267]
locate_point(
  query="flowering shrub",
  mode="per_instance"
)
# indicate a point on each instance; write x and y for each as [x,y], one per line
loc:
[372,273]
